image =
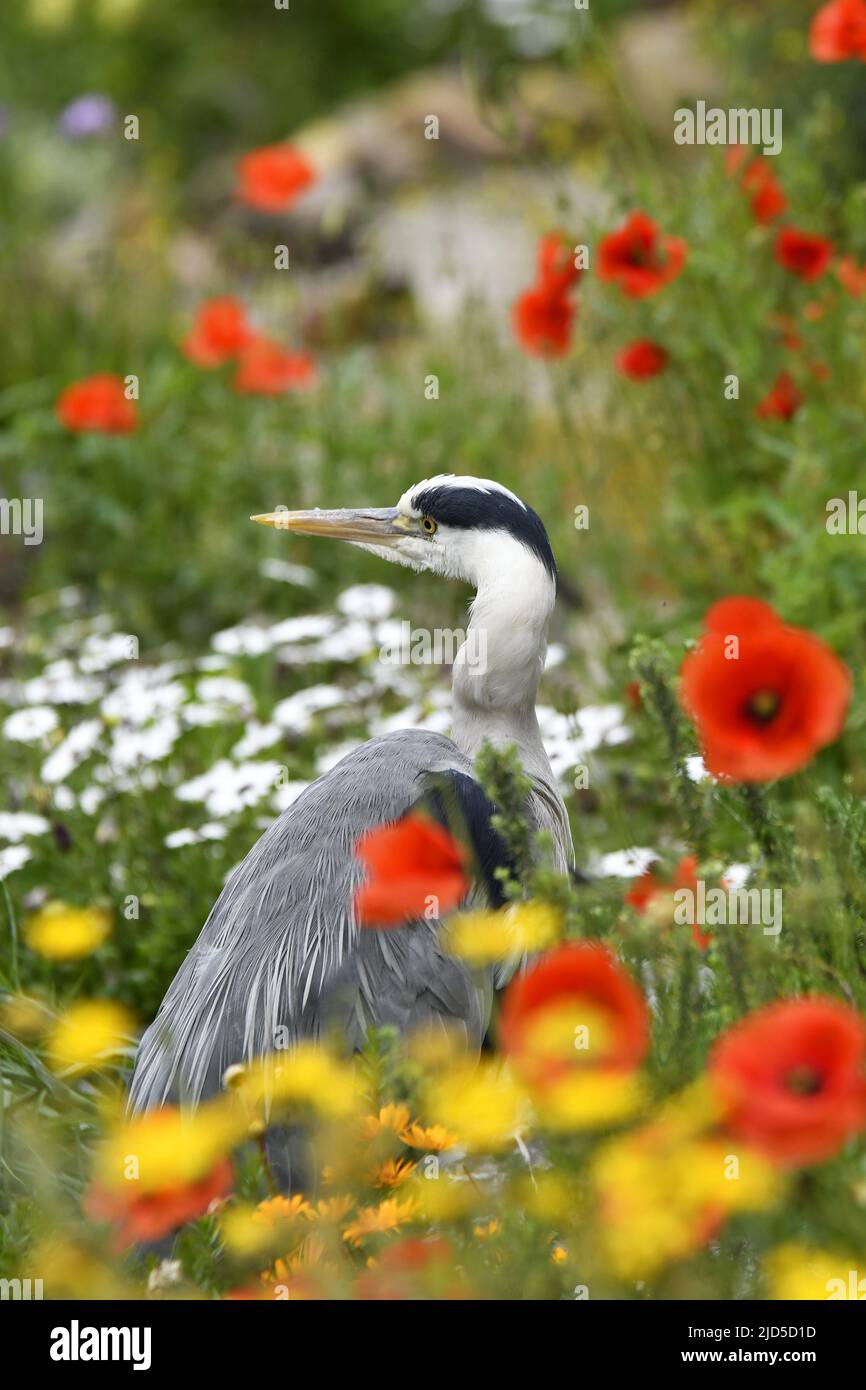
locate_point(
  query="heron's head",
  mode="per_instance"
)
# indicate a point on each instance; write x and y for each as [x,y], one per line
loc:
[460,527]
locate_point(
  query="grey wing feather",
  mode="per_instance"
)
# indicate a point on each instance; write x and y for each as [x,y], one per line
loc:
[281,956]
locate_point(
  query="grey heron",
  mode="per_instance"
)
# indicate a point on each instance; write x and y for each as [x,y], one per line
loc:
[282,935]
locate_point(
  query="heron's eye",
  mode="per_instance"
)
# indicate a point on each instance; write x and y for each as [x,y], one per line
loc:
[428,525]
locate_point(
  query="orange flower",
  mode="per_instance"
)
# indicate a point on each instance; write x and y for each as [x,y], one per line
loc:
[151,1215]
[388,1216]
[783,399]
[838,32]
[543,315]
[433,1138]
[807,256]
[768,200]
[851,276]
[793,1078]
[764,696]
[638,258]
[391,1119]
[273,177]
[556,268]
[650,888]
[641,359]
[218,334]
[266,369]
[412,866]
[542,320]
[97,403]
[394,1172]
[576,994]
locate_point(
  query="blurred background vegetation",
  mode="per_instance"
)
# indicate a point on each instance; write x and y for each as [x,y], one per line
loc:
[405,260]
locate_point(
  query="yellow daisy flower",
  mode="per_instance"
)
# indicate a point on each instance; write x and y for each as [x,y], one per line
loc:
[433,1139]
[394,1172]
[333,1210]
[276,1211]
[389,1215]
[390,1119]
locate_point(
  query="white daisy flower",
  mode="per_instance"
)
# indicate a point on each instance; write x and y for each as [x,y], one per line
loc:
[30,725]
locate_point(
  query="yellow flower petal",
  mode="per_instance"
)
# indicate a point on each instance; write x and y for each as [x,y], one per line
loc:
[89,1035]
[305,1075]
[483,937]
[483,1105]
[431,1138]
[168,1147]
[589,1100]
[391,1118]
[799,1272]
[389,1215]
[63,933]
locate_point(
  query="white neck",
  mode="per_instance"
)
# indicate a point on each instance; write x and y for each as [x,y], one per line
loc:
[496,676]
[498,668]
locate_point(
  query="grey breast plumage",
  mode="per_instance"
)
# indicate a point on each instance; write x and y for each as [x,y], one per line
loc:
[281,956]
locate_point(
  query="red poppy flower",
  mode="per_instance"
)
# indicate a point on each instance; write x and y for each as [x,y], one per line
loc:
[581,983]
[271,178]
[266,369]
[792,1078]
[641,359]
[650,888]
[838,31]
[768,200]
[408,865]
[739,614]
[638,258]
[218,334]
[97,403]
[151,1215]
[765,697]
[782,401]
[805,255]
[556,267]
[851,276]
[542,322]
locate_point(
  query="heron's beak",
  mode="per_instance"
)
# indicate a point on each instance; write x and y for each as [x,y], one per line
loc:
[367,525]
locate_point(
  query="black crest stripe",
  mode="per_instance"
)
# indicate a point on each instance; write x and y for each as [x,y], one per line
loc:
[472,508]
